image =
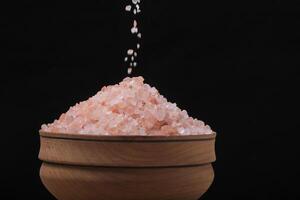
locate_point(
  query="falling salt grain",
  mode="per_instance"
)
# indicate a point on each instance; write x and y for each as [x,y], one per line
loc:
[134,8]
[128,8]
[130,52]
[129,71]
[126,59]
[134,30]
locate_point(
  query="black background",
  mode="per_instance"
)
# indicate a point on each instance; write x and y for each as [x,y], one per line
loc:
[232,64]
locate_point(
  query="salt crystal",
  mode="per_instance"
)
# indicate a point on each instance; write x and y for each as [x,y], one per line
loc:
[138,46]
[181,131]
[126,59]
[134,64]
[130,51]
[128,108]
[129,70]
[128,8]
[134,30]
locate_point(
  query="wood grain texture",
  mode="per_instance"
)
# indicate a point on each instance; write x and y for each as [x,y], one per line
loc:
[98,183]
[85,167]
[127,153]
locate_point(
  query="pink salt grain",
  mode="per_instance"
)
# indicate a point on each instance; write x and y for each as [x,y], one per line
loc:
[128,108]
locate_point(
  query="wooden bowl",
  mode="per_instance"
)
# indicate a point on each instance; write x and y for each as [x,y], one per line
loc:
[85,167]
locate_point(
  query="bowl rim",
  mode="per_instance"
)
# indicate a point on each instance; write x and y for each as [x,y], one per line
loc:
[130,138]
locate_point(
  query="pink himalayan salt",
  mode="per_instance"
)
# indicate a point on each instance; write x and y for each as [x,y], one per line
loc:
[128,108]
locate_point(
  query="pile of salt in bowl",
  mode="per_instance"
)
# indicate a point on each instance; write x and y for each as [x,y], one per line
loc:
[128,108]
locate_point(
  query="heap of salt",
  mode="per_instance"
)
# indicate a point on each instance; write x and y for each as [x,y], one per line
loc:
[128,108]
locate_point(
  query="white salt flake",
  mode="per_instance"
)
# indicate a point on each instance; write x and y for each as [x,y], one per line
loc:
[128,8]
[130,52]
[126,59]
[134,30]
[129,71]
[139,35]
[181,131]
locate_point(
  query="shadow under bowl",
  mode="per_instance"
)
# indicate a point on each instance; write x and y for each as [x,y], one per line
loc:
[86,167]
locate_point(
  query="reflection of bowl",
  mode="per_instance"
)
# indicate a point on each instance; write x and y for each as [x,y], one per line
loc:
[85,167]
